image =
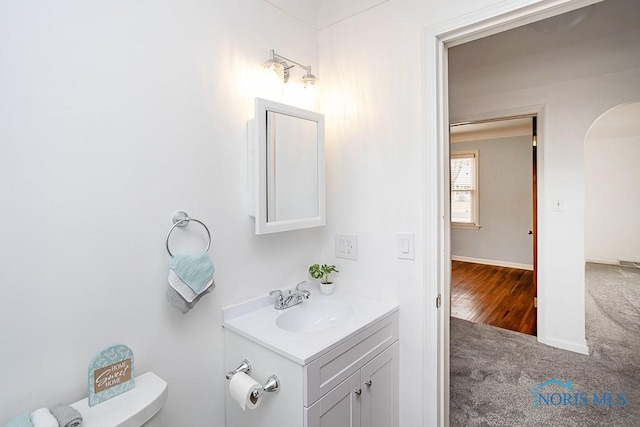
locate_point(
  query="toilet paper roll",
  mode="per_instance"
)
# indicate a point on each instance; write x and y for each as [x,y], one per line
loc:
[241,387]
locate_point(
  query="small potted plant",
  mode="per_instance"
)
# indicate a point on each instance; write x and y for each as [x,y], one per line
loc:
[322,272]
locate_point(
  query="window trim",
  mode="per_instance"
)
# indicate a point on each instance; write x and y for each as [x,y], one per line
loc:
[476,202]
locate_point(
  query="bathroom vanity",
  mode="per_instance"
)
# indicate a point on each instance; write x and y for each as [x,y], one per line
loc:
[336,358]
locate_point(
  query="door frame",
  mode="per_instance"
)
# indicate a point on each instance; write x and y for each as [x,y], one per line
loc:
[436,273]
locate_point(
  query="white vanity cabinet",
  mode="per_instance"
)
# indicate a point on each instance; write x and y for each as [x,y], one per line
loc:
[368,398]
[351,380]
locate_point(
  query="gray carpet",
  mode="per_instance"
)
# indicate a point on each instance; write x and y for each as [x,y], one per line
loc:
[493,370]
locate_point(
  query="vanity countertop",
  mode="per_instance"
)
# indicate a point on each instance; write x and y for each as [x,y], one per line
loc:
[255,320]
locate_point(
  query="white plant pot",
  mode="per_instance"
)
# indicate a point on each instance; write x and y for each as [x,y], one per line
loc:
[327,288]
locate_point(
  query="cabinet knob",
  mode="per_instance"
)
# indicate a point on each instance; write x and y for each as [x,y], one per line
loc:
[368,383]
[357,391]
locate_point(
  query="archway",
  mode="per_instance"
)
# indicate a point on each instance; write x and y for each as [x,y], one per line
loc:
[611,166]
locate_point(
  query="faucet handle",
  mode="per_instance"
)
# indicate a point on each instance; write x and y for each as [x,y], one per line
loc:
[305,294]
[277,294]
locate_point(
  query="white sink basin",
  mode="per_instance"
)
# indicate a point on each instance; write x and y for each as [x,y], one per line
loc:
[305,331]
[312,316]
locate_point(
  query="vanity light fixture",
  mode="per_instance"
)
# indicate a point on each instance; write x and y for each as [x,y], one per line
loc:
[280,66]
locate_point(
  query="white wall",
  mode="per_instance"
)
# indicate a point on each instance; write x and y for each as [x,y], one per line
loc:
[373,85]
[611,171]
[113,115]
[506,204]
[379,133]
[575,82]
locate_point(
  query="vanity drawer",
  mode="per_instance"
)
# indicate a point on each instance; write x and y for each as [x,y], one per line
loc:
[330,369]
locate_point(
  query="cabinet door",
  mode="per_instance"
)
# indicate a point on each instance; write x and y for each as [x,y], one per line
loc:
[338,408]
[379,403]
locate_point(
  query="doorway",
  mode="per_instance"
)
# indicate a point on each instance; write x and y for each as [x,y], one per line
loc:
[437,202]
[493,222]
[612,149]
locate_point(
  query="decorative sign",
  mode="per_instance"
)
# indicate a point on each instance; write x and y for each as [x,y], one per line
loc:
[110,373]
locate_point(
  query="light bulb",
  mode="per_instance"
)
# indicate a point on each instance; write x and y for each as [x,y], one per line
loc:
[275,67]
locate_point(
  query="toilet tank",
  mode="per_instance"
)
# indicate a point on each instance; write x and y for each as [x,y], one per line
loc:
[130,409]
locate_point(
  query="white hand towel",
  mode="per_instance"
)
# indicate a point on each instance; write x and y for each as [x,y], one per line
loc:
[43,418]
[176,300]
[183,289]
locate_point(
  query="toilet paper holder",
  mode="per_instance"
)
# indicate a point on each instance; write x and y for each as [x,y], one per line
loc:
[272,384]
[245,366]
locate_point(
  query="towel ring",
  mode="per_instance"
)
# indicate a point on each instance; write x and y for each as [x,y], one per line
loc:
[180,219]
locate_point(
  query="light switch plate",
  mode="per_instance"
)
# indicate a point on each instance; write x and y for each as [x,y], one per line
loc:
[406,246]
[558,205]
[346,246]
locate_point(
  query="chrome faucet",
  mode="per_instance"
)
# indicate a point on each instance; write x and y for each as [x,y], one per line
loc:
[289,298]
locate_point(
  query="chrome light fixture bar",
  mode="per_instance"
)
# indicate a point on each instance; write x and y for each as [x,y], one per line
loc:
[280,65]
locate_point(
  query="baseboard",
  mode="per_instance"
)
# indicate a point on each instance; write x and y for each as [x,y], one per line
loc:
[604,261]
[581,348]
[492,262]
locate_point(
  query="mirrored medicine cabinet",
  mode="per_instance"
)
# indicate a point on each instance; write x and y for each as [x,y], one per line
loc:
[289,168]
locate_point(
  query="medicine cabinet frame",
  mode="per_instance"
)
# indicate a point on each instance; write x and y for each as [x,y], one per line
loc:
[264,179]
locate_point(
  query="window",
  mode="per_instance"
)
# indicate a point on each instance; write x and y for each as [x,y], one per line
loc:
[464,189]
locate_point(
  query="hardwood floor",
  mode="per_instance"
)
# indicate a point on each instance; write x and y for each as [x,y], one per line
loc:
[496,296]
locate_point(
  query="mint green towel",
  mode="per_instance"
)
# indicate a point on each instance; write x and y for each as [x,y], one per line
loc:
[196,271]
[22,420]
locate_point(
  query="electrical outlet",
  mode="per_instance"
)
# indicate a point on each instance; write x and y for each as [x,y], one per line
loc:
[346,246]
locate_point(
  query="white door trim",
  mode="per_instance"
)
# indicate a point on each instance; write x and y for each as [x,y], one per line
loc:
[499,17]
